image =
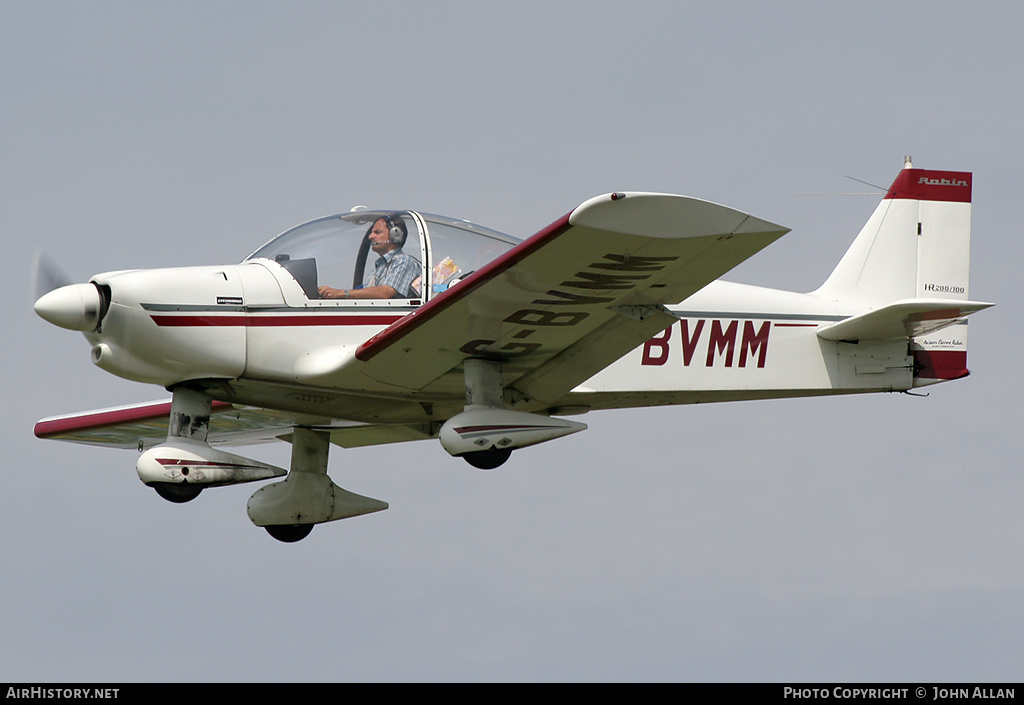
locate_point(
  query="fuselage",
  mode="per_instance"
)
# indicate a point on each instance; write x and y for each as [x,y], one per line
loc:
[250,326]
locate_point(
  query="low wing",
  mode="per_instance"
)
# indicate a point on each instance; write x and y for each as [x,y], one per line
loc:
[570,300]
[145,425]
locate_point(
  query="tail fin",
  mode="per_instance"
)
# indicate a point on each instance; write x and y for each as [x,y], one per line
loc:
[912,261]
[917,243]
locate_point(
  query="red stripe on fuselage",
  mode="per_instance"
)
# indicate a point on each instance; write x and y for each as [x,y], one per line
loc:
[250,321]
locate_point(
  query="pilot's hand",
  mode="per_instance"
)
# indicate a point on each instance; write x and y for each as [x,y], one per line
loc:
[327,292]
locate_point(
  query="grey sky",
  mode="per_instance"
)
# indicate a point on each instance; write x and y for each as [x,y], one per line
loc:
[868,538]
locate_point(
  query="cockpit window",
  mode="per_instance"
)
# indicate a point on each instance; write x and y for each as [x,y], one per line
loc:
[336,251]
[458,248]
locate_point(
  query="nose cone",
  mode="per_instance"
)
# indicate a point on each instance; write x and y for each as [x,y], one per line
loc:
[75,307]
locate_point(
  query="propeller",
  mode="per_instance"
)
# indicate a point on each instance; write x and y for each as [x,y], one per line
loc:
[46,275]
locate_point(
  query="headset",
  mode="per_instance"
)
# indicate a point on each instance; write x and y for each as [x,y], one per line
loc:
[397,231]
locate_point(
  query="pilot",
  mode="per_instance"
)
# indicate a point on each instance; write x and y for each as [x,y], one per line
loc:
[394,272]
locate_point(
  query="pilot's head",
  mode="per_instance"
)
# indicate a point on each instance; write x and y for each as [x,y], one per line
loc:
[387,233]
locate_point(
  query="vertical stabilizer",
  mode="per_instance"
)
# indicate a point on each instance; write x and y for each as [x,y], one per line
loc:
[915,245]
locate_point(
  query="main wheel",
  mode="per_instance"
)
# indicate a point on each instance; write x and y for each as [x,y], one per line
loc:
[177,492]
[487,459]
[289,533]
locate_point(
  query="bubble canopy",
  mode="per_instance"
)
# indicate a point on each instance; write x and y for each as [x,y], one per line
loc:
[335,250]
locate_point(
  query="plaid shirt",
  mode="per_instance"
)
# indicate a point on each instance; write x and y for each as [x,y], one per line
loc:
[397,270]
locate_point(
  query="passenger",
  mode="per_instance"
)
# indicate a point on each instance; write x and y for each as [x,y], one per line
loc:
[394,271]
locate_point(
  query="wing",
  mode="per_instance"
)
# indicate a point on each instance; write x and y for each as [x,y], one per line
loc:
[570,300]
[145,425]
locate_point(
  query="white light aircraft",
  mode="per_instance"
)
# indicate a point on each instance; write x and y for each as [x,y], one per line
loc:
[485,342]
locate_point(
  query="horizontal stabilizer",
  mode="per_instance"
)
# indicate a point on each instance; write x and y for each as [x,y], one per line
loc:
[909,318]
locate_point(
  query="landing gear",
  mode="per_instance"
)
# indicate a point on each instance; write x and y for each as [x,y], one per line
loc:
[177,492]
[288,509]
[182,466]
[289,533]
[190,421]
[487,459]
[486,433]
